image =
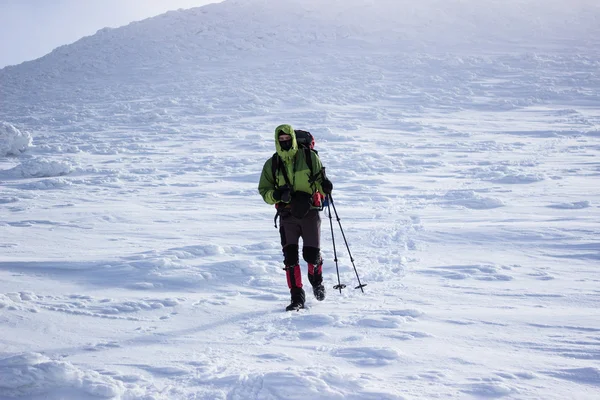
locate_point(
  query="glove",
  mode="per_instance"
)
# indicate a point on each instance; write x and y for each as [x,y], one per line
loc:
[327,186]
[282,194]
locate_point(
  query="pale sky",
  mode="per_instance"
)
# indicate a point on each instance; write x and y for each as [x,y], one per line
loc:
[30,29]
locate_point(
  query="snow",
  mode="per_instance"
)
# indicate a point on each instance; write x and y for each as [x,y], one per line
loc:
[137,260]
[40,375]
[13,141]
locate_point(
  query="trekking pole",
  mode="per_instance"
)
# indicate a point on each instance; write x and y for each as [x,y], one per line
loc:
[339,286]
[360,285]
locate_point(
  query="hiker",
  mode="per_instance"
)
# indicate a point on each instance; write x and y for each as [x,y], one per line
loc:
[294,180]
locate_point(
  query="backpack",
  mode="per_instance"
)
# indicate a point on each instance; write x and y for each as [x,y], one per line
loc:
[306,143]
[305,140]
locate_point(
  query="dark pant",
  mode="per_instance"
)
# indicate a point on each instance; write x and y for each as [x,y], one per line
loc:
[309,229]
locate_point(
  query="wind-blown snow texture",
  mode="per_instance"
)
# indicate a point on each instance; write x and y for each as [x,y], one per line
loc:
[139,262]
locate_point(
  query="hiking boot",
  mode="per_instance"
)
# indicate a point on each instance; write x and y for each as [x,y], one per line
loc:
[298,298]
[319,292]
[294,306]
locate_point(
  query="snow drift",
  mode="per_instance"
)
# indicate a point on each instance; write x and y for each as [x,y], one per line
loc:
[30,374]
[13,141]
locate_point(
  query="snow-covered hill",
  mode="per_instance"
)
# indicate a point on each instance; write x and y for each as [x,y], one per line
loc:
[137,260]
[182,44]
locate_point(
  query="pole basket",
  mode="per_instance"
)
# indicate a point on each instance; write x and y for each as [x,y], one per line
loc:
[361,286]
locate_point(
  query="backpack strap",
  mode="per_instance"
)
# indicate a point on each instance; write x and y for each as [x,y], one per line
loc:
[313,177]
[276,165]
[308,157]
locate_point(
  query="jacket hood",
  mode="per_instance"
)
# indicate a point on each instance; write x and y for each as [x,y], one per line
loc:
[289,154]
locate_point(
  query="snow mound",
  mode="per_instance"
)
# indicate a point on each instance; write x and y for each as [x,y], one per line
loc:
[507,174]
[42,168]
[13,141]
[47,184]
[576,205]
[30,374]
[470,199]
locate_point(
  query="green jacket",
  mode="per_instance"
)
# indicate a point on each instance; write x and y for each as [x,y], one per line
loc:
[298,172]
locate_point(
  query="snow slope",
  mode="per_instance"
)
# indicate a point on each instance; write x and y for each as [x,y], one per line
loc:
[137,260]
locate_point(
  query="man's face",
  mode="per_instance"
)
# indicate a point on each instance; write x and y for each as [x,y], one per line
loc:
[285,141]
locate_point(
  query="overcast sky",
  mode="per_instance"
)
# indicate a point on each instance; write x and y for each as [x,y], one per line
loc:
[30,29]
